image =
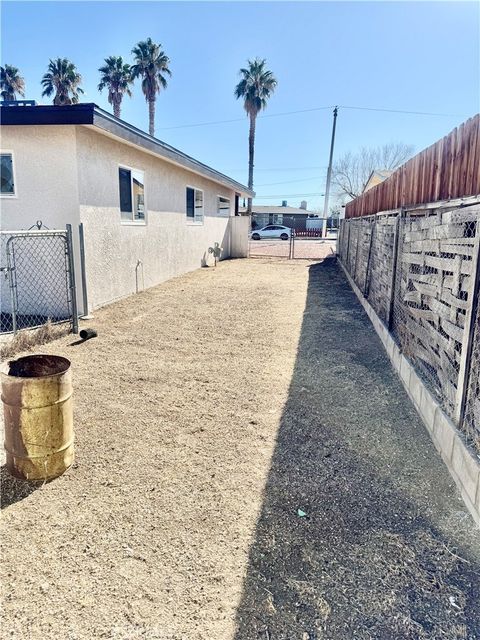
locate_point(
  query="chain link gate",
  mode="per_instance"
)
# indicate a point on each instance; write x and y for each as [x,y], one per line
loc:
[38,283]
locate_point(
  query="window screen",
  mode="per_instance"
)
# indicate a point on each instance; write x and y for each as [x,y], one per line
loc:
[190,203]
[125,184]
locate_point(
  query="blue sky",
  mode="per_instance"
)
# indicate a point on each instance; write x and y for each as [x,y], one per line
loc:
[393,55]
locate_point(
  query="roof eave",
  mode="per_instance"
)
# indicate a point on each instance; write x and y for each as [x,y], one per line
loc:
[90,114]
[107,122]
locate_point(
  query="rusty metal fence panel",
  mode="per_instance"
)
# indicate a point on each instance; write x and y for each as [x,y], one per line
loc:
[38,279]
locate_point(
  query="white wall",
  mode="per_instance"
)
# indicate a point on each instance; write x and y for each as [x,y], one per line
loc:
[45,168]
[239,235]
[167,245]
[46,189]
[69,174]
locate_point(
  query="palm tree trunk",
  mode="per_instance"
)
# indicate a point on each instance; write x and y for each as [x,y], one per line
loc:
[251,153]
[151,117]
[116,108]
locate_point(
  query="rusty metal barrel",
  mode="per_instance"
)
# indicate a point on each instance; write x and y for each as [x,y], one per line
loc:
[38,411]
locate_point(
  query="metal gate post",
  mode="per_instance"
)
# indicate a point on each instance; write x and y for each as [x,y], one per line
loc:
[291,252]
[83,268]
[71,270]
[11,283]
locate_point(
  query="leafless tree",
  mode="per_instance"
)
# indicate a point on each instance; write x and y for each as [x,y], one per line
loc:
[352,170]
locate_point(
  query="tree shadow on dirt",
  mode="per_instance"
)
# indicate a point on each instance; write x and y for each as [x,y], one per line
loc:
[361,533]
[13,489]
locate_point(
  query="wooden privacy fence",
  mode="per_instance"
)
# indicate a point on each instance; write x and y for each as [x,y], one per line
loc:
[448,169]
[420,271]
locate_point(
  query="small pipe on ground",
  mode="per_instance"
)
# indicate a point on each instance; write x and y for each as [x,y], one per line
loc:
[86,334]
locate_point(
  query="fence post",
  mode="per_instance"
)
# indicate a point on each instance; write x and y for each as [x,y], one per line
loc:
[395,252]
[81,236]
[12,284]
[338,250]
[345,258]
[71,270]
[468,334]
[354,274]
[366,284]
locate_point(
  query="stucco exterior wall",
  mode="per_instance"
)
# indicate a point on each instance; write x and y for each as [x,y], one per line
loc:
[45,166]
[46,190]
[122,258]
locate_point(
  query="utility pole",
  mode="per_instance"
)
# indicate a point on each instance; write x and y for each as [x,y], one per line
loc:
[329,176]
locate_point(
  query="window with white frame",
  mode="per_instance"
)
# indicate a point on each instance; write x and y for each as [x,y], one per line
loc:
[223,206]
[7,175]
[132,194]
[194,205]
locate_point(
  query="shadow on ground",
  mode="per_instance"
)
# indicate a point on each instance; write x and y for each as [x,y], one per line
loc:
[361,533]
[13,489]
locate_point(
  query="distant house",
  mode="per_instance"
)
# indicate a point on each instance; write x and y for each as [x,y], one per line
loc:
[376,177]
[293,217]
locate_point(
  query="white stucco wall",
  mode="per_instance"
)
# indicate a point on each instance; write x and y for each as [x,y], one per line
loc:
[46,189]
[69,174]
[122,257]
[45,166]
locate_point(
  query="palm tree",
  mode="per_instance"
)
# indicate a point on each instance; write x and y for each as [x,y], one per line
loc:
[63,79]
[255,87]
[117,76]
[11,83]
[150,64]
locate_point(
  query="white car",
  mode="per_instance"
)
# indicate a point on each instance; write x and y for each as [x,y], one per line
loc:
[271,231]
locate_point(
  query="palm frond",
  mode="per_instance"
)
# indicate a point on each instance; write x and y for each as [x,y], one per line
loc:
[256,86]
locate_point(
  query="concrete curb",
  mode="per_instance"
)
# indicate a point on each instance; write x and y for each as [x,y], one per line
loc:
[463,465]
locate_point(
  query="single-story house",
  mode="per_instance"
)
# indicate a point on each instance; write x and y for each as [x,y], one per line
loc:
[141,201]
[293,217]
[376,177]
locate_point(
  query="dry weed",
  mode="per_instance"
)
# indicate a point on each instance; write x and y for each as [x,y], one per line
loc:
[27,339]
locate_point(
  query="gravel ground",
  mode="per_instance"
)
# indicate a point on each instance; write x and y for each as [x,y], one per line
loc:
[247,467]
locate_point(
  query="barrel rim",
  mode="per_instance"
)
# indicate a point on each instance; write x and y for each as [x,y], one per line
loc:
[5,368]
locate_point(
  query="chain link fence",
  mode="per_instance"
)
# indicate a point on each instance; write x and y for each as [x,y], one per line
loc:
[37,279]
[292,246]
[418,270]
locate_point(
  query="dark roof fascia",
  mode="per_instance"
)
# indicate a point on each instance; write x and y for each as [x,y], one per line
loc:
[107,122]
[47,114]
[91,114]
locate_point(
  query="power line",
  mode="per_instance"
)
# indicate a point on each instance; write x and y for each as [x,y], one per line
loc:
[280,169]
[288,113]
[271,184]
[415,113]
[267,115]
[289,195]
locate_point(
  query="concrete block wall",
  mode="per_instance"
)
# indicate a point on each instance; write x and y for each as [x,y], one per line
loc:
[461,462]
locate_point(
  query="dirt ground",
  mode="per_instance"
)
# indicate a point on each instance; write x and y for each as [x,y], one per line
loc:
[248,467]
